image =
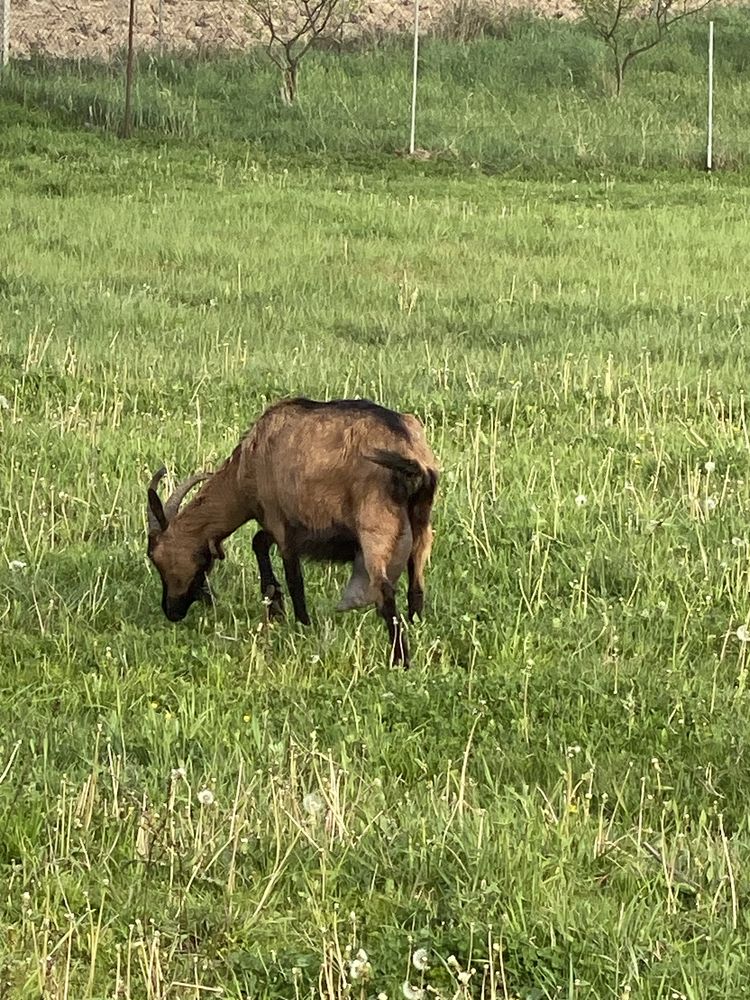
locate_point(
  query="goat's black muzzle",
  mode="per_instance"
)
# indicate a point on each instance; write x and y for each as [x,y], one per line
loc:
[176,608]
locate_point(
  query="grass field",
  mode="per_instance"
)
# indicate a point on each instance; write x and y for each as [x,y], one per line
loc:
[553,801]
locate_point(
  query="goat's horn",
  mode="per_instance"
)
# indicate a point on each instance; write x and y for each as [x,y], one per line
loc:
[157,477]
[156,524]
[172,506]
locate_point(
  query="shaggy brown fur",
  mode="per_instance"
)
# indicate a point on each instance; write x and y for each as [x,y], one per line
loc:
[346,481]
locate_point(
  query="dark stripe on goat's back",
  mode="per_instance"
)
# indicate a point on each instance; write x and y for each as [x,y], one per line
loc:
[392,420]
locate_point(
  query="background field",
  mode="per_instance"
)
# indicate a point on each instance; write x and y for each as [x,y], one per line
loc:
[555,796]
[536,101]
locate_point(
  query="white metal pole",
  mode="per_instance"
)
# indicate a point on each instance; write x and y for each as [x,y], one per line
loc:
[414,79]
[4,32]
[710,137]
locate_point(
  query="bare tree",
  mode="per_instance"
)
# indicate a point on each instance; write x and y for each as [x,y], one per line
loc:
[292,26]
[630,27]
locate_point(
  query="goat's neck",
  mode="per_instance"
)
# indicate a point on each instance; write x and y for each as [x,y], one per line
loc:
[219,509]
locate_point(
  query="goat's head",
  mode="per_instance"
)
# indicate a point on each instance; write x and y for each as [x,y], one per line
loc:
[182,563]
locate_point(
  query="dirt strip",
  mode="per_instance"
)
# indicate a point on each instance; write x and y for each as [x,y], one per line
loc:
[98,28]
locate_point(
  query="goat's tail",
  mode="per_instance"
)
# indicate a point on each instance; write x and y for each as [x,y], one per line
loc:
[409,476]
[415,485]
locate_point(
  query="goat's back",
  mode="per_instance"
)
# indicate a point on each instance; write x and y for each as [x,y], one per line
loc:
[309,459]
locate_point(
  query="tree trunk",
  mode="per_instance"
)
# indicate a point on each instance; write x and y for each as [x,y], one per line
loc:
[127,122]
[618,67]
[290,82]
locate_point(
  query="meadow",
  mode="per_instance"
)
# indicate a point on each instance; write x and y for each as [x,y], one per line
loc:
[552,802]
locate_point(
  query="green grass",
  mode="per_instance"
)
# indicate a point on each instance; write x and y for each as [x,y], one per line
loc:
[555,795]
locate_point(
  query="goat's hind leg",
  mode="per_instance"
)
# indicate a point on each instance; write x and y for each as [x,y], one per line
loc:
[270,588]
[378,548]
[416,567]
[420,553]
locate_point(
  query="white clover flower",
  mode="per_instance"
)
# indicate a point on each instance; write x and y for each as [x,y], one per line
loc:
[4,404]
[313,804]
[178,773]
[420,959]
[382,996]
[463,978]
[709,466]
[412,992]
[16,565]
[743,633]
[581,500]
[206,797]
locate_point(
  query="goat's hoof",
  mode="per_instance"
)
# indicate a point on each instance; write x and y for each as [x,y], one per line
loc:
[400,660]
[274,603]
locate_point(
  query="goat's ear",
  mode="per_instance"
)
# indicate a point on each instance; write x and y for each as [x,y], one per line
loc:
[216,549]
[158,519]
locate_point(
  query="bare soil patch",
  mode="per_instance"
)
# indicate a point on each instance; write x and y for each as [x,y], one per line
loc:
[98,28]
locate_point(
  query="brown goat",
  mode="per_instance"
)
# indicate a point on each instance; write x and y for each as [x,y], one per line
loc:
[344,481]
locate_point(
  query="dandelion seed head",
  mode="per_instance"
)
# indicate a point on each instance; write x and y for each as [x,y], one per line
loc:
[710,503]
[581,500]
[206,797]
[743,633]
[313,804]
[709,466]
[420,959]
[178,773]
[359,969]
[412,992]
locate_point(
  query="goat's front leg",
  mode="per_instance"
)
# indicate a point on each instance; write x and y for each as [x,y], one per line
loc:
[270,588]
[296,586]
